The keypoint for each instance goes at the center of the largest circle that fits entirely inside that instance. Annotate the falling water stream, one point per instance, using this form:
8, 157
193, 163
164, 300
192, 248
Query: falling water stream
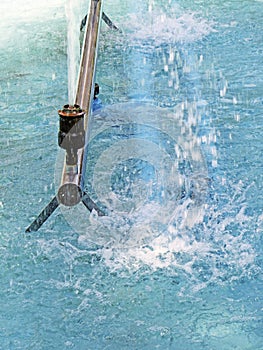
174, 156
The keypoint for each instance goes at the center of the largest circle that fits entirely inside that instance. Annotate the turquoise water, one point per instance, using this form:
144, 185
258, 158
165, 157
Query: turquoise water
175, 155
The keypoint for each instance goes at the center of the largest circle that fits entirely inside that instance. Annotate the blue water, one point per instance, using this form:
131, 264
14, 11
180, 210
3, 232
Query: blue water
175, 155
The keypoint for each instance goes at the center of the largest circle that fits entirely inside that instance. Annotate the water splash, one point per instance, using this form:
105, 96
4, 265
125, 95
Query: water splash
146, 167
216, 251
189, 239
158, 27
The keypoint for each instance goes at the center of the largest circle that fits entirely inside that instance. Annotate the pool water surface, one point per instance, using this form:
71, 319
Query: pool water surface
174, 157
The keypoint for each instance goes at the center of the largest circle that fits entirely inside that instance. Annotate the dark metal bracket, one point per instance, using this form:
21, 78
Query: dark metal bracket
54, 204
105, 18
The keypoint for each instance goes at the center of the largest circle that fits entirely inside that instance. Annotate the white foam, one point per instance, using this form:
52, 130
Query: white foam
160, 28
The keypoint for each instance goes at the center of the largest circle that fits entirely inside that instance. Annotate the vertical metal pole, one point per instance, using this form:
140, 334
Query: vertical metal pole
72, 181
71, 190
84, 93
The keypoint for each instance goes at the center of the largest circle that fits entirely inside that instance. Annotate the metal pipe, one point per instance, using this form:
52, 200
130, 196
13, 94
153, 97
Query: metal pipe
72, 181
73, 134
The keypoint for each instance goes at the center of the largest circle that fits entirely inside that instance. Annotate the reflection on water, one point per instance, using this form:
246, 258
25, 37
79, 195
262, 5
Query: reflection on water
175, 156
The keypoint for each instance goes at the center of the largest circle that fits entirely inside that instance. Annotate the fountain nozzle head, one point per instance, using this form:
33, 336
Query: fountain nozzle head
71, 135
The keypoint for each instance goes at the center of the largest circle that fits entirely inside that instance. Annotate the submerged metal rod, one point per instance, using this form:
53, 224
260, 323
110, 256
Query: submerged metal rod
44, 215
72, 182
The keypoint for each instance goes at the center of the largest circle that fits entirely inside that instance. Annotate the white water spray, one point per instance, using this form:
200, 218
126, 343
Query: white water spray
73, 46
